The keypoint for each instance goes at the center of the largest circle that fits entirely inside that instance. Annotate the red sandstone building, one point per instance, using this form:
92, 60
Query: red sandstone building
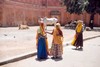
15, 12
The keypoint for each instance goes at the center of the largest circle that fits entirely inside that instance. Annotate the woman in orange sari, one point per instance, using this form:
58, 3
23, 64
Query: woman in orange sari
42, 43
78, 38
57, 47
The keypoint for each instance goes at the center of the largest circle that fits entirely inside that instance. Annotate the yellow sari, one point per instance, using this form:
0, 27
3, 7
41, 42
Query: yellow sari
57, 44
78, 30
57, 39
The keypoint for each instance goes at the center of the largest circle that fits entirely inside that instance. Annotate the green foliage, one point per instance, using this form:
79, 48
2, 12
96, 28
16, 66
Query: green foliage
93, 6
78, 6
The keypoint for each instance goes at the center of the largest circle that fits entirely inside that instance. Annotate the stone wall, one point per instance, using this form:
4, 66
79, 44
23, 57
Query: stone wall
15, 12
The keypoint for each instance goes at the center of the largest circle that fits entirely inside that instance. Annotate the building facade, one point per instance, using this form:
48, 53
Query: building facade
15, 12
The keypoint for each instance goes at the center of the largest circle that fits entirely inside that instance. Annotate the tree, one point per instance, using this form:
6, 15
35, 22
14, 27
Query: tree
78, 6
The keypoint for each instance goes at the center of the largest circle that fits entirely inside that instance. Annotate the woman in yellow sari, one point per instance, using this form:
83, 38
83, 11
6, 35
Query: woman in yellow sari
42, 43
57, 47
78, 38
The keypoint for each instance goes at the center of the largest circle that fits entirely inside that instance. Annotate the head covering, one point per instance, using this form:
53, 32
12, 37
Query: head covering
59, 29
80, 21
79, 26
41, 21
58, 25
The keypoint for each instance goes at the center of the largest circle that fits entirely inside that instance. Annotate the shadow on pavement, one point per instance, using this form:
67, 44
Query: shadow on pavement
17, 59
57, 59
77, 49
40, 60
91, 38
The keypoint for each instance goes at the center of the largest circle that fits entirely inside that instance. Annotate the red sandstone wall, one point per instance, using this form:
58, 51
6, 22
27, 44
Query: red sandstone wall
23, 12
41, 2
15, 13
1, 12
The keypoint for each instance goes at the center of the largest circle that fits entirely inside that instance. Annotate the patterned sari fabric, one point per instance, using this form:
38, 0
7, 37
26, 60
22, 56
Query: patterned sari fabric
42, 44
57, 47
56, 50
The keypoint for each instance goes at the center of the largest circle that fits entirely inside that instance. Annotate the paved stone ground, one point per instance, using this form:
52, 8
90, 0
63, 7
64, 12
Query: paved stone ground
15, 43
89, 57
